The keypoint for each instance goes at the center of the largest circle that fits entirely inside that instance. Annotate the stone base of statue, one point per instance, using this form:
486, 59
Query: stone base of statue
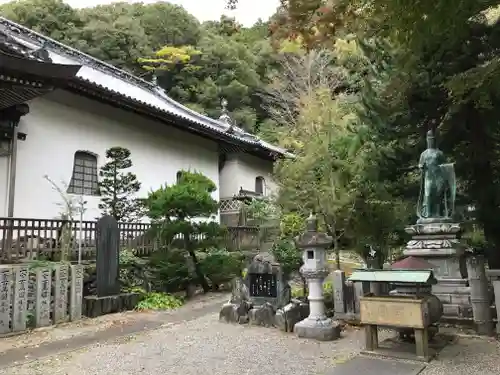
438, 242
322, 329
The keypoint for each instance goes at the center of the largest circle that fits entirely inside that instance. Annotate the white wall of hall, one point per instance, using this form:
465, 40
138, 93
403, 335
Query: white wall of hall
62, 123
241, 170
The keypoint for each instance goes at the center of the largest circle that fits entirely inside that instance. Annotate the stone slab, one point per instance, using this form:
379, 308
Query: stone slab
95, 306
376, 366
323, 330
396, 349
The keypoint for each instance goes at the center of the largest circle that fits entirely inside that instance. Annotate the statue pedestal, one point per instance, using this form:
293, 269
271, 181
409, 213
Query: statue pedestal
439, 244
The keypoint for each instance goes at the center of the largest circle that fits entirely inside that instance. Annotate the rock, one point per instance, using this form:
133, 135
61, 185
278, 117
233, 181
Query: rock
228, 313
239, 291
280, 320
321, 330
235, 313
243, 319
291, 314
263, 315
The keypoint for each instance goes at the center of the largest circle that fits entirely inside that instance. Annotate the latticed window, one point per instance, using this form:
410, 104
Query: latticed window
259, 185
84, 179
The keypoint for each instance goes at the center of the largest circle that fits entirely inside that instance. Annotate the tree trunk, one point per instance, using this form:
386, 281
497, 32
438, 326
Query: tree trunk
199, 273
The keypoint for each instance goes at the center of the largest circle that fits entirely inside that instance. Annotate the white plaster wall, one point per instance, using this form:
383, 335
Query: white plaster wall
241, 170
61, 123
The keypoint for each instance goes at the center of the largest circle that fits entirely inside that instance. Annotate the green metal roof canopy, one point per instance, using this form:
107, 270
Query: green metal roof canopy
394, 276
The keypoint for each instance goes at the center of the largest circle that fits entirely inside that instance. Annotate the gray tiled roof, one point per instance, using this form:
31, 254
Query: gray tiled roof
120, 82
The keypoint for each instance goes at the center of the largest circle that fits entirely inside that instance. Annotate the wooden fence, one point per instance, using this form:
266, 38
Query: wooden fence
31, 239
39, 296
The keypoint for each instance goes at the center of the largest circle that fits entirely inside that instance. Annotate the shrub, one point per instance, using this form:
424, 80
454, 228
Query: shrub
221, 266
287, 254
168, 271
159, 301
131, 270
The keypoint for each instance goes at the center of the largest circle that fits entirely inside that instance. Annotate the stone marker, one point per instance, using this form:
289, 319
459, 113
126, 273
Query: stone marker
5, 297
61, 294
494, 275
43, 294
76, 292
480, 295
20, 306
316, 325
339, 293
108, 255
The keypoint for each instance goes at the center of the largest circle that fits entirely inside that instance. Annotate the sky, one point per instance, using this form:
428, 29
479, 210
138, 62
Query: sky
247, 12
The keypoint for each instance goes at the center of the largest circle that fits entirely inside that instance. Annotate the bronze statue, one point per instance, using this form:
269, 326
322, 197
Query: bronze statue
436, 201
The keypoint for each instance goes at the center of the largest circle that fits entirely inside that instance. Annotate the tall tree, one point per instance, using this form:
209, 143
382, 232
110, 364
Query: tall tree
53, 18
118, 188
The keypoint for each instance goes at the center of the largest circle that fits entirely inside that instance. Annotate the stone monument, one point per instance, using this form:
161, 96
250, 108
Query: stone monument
108, 299
315, 270
263, 297
108, 256
436, 236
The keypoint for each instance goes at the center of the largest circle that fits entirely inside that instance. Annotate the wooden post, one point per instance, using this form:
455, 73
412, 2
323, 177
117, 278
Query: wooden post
5, 297
422, 343
42, 302
20, 305
371, 337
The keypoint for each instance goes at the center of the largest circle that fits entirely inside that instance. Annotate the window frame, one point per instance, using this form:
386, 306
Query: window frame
260, 181
85, 176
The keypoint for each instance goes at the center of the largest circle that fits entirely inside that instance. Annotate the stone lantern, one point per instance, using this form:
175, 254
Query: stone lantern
315, 270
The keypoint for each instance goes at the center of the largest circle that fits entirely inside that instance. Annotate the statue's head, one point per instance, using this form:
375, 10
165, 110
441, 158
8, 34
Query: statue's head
431, 139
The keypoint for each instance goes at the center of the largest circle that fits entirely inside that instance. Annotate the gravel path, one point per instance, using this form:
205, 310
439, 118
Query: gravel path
468, 356
204, 345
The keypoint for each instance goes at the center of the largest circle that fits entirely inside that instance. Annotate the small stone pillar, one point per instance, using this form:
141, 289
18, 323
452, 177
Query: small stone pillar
315, 270
480, 295
494, 276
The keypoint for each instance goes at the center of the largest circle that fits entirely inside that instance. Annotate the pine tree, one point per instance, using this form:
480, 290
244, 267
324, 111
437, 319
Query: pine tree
118, 188
174, 210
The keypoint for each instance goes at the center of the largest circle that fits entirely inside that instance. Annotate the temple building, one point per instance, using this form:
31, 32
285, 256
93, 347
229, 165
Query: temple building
61, 109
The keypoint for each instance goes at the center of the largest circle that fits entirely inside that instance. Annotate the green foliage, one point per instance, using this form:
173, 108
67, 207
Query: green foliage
168, 270
287, 254
327, 291
54, 18
183, 209
132, 270
221, 266
118, 188
159, 301
196, 64
169, 57
190, 197
292, 225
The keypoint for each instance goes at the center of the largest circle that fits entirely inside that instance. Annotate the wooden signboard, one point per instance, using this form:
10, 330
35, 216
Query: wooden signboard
395, 312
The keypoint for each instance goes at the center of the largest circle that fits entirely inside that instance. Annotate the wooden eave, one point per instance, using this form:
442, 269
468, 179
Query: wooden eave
22, 79
36, 70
